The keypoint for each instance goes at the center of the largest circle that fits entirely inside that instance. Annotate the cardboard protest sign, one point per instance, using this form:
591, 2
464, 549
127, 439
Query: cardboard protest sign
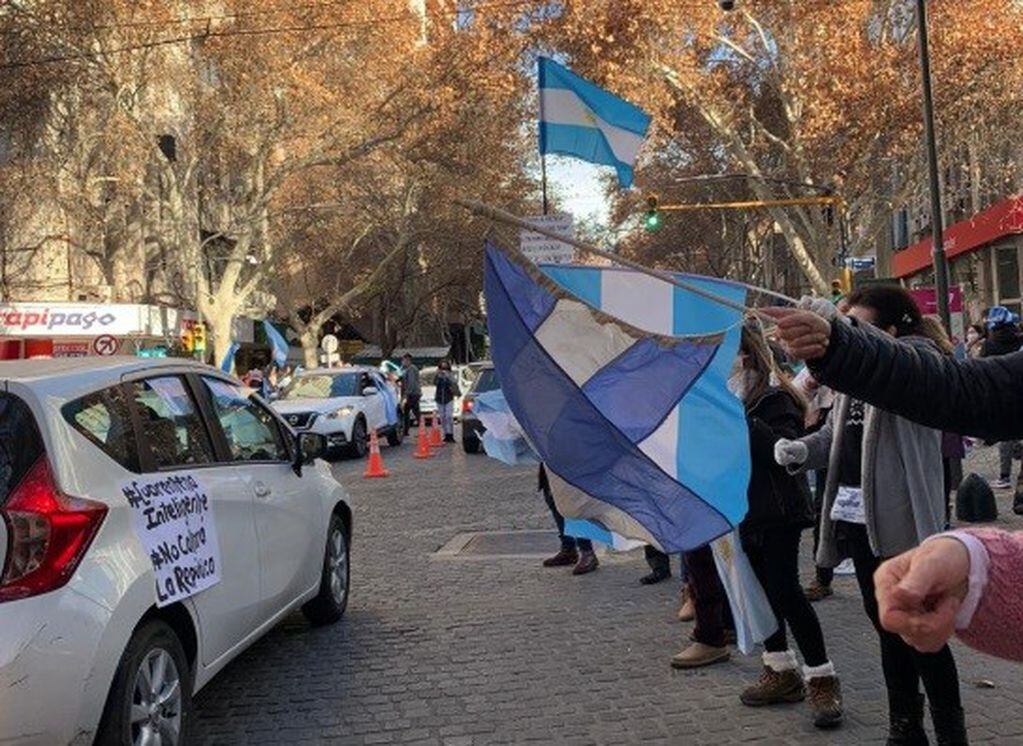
173, 518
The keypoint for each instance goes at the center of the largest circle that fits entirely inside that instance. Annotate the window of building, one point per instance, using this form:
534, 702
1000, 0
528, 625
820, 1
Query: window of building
1007, 282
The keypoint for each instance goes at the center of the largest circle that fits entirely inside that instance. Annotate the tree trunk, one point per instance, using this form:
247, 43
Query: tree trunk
219, 325
310, 339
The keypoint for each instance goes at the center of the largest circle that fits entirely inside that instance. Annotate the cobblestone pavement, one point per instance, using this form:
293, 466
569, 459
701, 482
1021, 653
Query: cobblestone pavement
471, 651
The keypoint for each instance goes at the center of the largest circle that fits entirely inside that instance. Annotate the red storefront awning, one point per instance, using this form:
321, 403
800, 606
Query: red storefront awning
1001, 219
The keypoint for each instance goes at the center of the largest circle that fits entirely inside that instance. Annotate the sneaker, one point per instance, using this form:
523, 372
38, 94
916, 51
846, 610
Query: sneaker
587, 563
774, 687
1002, 483
698, 655
825, 696
816, 591
564, 558
687, 612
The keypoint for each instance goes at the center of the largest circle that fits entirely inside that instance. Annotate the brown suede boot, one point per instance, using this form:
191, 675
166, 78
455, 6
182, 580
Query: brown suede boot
587, 563
564, 558
774, 687
825, 696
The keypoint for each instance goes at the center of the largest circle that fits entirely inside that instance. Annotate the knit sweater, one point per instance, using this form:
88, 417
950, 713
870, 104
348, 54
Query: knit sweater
996, 625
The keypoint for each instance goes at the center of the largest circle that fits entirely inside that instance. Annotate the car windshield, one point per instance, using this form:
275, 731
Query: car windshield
322, 386
487, 381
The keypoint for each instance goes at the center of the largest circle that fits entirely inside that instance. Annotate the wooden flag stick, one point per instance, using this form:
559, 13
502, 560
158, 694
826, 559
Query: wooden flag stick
501, 216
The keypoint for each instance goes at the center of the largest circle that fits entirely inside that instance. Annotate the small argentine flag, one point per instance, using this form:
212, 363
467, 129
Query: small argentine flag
578, 118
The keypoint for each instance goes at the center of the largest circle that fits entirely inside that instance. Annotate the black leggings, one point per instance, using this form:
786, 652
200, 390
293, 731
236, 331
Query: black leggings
904, 666
775, 560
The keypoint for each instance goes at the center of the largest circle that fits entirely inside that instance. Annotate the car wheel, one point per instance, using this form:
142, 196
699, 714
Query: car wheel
470, 443
329, 604
395, 436
360, 442
150, 700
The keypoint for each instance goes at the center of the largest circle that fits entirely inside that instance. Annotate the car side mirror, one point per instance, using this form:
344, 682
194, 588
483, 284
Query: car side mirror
308, 448
369, 391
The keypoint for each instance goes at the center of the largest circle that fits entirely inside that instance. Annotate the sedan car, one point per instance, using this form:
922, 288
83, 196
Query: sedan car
344, 405
472, 428
156, 519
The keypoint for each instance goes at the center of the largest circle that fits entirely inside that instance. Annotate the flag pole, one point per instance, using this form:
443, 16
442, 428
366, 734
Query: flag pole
501, 216
543, 170
540, 135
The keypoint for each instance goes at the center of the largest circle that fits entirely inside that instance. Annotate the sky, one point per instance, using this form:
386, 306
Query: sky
579, 187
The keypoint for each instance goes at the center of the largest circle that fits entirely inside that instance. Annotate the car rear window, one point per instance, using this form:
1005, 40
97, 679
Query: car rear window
486, 381
21, 445
104, 418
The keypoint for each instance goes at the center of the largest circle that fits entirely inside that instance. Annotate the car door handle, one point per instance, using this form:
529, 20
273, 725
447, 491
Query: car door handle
261, 489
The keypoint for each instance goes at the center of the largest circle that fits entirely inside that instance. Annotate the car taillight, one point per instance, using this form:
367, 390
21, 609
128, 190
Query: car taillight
47, 534
466, 405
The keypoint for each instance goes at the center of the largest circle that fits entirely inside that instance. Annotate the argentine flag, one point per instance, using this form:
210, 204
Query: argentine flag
580, 119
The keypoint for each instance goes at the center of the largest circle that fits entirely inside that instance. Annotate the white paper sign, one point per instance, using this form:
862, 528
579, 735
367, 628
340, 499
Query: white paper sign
173, 518
543, 249
848, 505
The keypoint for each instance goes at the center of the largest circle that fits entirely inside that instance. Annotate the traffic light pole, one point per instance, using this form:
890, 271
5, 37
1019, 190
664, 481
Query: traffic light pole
937, 240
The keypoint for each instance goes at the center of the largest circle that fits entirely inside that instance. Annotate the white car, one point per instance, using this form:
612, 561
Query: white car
344, 405
104, 636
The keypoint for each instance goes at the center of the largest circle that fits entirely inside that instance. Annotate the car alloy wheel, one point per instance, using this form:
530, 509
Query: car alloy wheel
337, 561
156, 701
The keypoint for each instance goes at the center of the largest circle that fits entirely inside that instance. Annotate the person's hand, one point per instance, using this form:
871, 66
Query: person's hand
919, 592
804, 334
788, 452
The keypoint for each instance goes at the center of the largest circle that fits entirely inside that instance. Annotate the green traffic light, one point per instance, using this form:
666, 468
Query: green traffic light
653, 221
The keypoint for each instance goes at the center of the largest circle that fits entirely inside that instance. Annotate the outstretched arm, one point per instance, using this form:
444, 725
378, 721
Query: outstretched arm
982, 398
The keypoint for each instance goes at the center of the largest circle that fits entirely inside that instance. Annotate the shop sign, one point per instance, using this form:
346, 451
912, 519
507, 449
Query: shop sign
69, 319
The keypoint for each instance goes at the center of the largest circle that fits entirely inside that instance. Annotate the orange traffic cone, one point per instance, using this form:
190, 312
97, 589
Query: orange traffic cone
423, 444
436, 439
375, 467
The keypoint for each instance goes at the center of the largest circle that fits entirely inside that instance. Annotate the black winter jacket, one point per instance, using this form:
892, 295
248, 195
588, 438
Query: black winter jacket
776, 498
982, 398
1002, 340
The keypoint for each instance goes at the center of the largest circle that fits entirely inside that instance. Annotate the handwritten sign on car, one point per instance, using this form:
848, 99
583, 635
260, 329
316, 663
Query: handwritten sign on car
173, 517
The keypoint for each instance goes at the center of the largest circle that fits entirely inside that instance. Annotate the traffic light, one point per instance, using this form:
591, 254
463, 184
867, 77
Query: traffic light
199, 338
187, 340
652, 220
841, 285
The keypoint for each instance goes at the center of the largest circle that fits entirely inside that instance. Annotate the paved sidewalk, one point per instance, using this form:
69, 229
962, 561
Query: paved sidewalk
469, 651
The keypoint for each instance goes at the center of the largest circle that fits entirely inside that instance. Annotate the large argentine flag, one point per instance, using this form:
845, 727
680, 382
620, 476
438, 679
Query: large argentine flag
636, 426
580, 119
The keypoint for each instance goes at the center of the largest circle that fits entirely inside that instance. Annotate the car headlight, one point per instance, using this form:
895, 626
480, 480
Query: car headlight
343, 412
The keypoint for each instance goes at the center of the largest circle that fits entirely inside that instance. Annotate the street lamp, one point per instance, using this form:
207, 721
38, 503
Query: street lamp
937, 242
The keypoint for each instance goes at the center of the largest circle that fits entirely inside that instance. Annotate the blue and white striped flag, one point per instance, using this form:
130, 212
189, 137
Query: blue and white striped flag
635, 424
581, 119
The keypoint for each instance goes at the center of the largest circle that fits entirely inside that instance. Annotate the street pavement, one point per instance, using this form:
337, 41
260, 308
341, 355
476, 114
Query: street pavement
448, 650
